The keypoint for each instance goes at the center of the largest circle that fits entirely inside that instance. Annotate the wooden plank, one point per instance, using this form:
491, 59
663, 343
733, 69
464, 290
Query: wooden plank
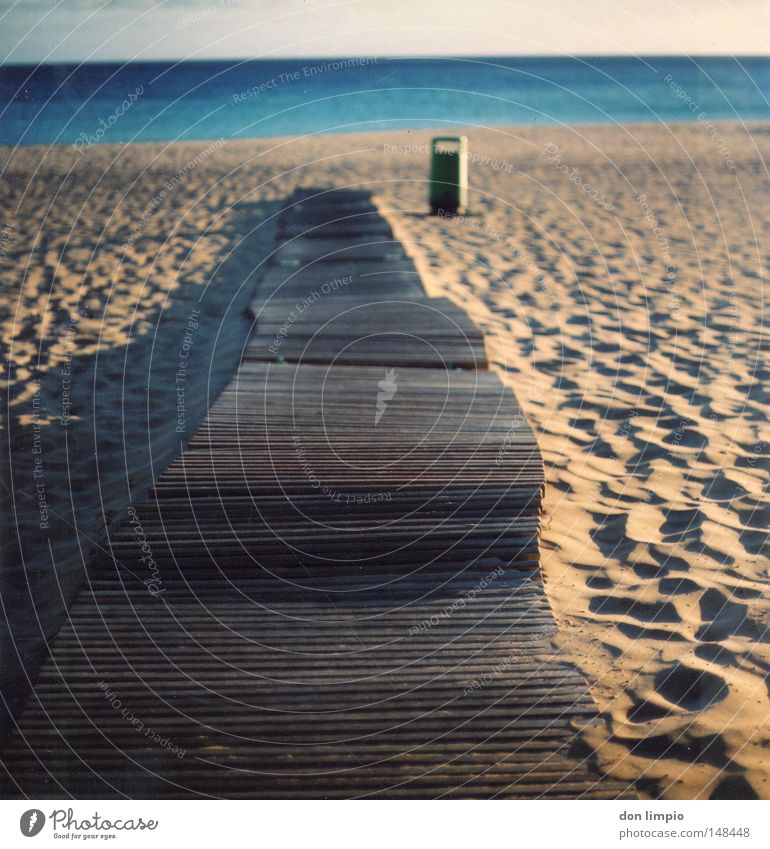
334, 591
356, 228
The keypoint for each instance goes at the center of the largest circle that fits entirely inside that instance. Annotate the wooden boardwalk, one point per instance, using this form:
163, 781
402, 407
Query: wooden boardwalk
334, 591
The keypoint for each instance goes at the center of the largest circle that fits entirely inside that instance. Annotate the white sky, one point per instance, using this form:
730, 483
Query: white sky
79, 30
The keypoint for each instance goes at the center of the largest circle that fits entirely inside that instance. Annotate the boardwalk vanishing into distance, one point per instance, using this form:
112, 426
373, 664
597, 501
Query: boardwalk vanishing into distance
342, 597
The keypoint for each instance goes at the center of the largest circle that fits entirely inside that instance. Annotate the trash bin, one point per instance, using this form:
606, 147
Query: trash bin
449, 175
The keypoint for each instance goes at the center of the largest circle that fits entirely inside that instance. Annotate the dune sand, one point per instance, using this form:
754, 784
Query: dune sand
618, 273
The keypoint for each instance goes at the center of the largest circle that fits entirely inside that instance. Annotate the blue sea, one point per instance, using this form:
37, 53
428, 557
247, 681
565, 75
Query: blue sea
164, 101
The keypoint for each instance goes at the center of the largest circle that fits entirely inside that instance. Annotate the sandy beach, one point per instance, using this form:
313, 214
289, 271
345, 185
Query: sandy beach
617, 272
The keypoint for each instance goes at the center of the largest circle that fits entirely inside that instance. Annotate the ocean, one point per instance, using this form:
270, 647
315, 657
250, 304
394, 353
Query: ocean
167, 101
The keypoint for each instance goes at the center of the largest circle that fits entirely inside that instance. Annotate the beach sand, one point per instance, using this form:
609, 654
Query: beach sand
618, 274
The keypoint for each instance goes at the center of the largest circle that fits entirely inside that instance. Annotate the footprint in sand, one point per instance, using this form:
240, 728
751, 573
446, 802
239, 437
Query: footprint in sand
679, 523
678, 586
685, 437
644, 611
599, 448
721, 488
646, 712
723, 619
667, 561
563, 383
610, 534
634, 632
733, 787
755, 542
648, 571
755, 515
709, 749
756, 391
714, 653
648, 452
599, 582
690, 689
611, 370
746, 593
672, 387
588, 425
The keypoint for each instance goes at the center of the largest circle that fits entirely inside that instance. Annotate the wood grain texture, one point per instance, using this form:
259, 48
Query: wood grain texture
334, 590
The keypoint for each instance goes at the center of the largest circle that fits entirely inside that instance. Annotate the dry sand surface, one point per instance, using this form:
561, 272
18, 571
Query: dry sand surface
618, 273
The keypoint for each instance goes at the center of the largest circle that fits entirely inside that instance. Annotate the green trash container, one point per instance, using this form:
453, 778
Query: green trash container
449, 175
